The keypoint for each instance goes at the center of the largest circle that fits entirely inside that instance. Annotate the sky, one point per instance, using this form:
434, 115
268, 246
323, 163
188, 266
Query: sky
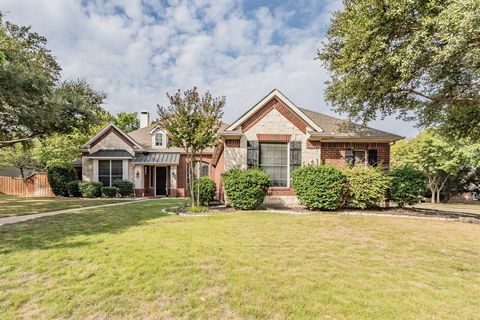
138, 50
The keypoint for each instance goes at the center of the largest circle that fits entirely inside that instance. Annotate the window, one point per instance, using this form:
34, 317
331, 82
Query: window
355, 158
274, 160
109, 171
159, 139
372, 158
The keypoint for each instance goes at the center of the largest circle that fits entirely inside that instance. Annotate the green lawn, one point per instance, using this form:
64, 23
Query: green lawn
16, 206
455, 207
133, 261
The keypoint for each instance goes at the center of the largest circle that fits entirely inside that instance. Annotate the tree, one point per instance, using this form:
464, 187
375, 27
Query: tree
439, 158
192, 122
34, 102
416, 59
127, 121
20, 158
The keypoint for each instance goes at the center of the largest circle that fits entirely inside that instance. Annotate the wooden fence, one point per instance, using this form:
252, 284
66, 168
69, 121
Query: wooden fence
34, 186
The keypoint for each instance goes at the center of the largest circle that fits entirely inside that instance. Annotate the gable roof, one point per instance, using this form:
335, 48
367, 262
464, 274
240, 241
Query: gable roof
339, 128
275, 93
104, 131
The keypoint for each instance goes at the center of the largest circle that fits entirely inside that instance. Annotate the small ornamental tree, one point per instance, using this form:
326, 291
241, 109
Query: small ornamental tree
319, 187
408, 185
192, 122
206, 190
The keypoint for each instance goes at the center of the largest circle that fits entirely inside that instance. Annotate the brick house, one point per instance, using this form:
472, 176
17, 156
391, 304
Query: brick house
274, 135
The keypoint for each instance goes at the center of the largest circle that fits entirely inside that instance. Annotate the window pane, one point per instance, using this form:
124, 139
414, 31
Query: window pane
204, 169
274, 160
158, 139
359, 158
117, 170
104, 172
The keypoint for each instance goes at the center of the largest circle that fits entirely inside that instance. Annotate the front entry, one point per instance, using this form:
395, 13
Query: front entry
161, 181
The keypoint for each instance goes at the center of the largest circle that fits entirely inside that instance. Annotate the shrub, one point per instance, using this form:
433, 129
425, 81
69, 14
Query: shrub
319, 187
58, 177
196, 209
207, 190
246, 189
125, 187
408, 185
109, 192
366, 187
91, 189
74, 188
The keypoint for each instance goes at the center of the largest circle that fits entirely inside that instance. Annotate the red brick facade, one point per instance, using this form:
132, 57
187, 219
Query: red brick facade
274, 137
232, 143
334, 152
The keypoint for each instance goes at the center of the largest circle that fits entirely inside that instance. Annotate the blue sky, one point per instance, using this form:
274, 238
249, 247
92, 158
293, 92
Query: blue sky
137, 50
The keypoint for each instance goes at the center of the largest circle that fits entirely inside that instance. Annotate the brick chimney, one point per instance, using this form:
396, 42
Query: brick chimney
144, 119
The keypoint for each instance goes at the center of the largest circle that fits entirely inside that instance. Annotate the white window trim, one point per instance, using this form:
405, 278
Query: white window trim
164, 139
288, 167
110, 170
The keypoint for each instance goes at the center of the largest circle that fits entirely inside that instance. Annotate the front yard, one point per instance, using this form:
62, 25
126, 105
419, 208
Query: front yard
16, 206
134, 261
453, 207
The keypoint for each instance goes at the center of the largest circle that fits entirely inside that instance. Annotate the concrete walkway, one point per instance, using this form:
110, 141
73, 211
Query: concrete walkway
15, 219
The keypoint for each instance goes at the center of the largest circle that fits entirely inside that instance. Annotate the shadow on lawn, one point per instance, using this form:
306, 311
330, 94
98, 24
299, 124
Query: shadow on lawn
53, 231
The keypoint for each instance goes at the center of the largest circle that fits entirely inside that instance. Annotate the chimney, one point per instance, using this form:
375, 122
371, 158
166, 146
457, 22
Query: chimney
144, 119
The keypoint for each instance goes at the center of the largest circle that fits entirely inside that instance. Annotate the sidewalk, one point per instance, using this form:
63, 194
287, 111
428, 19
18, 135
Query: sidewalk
15, 219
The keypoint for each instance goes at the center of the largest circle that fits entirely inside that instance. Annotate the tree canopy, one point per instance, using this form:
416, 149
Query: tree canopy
439, 158
34, 101
127, 121
192, 122
419, 60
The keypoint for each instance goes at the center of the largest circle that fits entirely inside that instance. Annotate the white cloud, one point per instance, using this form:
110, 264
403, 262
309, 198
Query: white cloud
137, 51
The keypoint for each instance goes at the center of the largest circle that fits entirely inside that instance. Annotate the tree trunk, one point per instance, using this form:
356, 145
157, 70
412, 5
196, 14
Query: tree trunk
438, 196
21, 172
433, 195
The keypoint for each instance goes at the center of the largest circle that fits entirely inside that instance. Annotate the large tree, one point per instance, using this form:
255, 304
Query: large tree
192, 122
439, 158
18, 157
418, 59
34, 101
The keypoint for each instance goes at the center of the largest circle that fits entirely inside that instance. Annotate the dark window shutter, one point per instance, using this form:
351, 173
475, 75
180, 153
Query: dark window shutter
252, 153
349, 157
295, 153
372, 158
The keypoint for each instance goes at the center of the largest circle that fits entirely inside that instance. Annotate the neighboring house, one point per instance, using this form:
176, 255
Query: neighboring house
274, 135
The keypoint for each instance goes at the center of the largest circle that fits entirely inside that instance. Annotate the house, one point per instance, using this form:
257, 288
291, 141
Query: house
275, 135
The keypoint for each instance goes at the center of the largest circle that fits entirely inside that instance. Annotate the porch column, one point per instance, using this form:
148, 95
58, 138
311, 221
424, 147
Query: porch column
95, 170
138, 176
173, 181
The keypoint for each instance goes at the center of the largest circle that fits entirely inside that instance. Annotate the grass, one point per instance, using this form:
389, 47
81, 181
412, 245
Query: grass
457, 207
136, 262
17, 206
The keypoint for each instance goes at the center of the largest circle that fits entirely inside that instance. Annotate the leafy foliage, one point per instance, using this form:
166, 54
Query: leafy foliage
192, 122
34, 102
91, 189
125, 187
109, 192
366, 187
127, 121
206, 189
408, 185
59, 177
73, 188
418, 59
438, 157
319, 187
246, 188
19, 157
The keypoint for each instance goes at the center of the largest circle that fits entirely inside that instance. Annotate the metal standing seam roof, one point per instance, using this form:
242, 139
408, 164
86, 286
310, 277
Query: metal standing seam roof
111, 154
159, 158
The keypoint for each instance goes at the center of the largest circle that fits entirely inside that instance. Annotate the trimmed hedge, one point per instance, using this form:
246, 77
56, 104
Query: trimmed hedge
125, 187
246, 188
319, 187
408, 187
207, 190
366, 187
91, 189
109, 192
74, 188
58, 178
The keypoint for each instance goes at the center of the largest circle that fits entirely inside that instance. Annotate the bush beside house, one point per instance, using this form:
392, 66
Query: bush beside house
246, 188
59, 177
366, 188
408, 186
109, 192
73, 188
319, 187
91, 189
125, 187
206, 188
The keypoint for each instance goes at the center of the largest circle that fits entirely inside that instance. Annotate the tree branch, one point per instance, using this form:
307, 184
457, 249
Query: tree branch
12, 142
438, 99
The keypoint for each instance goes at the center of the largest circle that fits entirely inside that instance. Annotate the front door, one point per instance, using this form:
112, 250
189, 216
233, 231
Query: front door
161, 181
